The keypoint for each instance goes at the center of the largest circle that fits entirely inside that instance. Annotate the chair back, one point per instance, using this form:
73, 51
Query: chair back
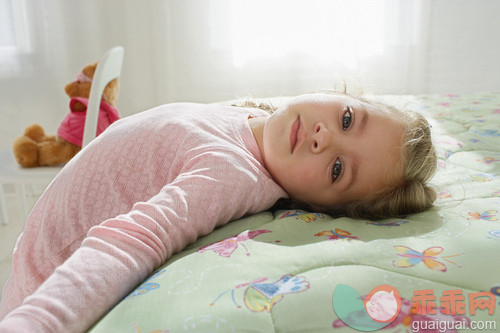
108, 69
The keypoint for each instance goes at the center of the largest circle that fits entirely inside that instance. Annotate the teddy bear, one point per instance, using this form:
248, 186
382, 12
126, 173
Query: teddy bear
35, 148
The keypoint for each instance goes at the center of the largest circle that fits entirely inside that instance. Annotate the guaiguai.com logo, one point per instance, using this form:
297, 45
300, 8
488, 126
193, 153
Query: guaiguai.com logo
375, 311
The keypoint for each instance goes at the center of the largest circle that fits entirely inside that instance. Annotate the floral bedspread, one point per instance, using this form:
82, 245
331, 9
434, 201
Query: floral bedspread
298, 271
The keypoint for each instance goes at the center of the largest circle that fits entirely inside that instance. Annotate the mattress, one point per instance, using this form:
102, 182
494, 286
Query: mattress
302, 271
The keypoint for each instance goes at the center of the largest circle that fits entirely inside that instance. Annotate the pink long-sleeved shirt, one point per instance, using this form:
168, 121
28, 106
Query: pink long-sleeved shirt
144, 189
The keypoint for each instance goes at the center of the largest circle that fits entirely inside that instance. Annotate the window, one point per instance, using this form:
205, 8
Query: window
329, 31
14, 38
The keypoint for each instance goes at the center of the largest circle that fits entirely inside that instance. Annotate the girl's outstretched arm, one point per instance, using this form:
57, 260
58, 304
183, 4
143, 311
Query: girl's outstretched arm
121, 252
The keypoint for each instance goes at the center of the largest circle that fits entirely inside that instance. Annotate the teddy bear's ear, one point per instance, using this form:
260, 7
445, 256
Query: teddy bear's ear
111, 92
89, 70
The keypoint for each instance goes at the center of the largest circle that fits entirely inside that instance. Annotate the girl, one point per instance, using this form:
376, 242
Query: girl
156, 181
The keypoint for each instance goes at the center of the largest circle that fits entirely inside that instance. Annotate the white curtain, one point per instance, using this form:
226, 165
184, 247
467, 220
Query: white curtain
224, 49
206, 50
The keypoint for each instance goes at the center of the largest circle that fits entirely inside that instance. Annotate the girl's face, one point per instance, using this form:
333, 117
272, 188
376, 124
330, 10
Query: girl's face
331, 149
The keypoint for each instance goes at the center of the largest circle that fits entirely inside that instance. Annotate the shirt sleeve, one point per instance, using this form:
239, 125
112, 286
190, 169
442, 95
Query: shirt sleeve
121, 252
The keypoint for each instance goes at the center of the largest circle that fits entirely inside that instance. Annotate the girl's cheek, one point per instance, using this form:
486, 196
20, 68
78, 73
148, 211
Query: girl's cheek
309, 172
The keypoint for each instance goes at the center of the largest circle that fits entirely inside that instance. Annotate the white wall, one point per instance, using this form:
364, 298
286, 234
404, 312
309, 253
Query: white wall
464, 46
461, 53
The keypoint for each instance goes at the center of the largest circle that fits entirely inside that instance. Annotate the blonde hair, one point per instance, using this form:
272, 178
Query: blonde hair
418, 164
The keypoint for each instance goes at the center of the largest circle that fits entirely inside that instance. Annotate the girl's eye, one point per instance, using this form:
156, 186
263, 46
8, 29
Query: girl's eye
337, 169
346, 119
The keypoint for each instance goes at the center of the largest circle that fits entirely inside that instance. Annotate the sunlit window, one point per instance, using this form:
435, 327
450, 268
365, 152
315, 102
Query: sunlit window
14, 37
7, 35
330, 31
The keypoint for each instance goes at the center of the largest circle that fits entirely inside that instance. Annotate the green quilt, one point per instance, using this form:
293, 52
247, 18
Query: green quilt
298, 271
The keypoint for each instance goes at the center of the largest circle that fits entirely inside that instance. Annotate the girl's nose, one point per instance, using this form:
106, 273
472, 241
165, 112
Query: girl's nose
322, 138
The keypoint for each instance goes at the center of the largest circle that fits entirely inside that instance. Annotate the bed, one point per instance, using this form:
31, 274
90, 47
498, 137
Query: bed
283, 271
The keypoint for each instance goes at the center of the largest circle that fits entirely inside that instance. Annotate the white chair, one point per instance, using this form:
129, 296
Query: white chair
109, 68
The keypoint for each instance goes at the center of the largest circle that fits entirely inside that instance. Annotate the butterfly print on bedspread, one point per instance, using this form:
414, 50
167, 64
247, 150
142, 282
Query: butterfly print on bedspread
226, 247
